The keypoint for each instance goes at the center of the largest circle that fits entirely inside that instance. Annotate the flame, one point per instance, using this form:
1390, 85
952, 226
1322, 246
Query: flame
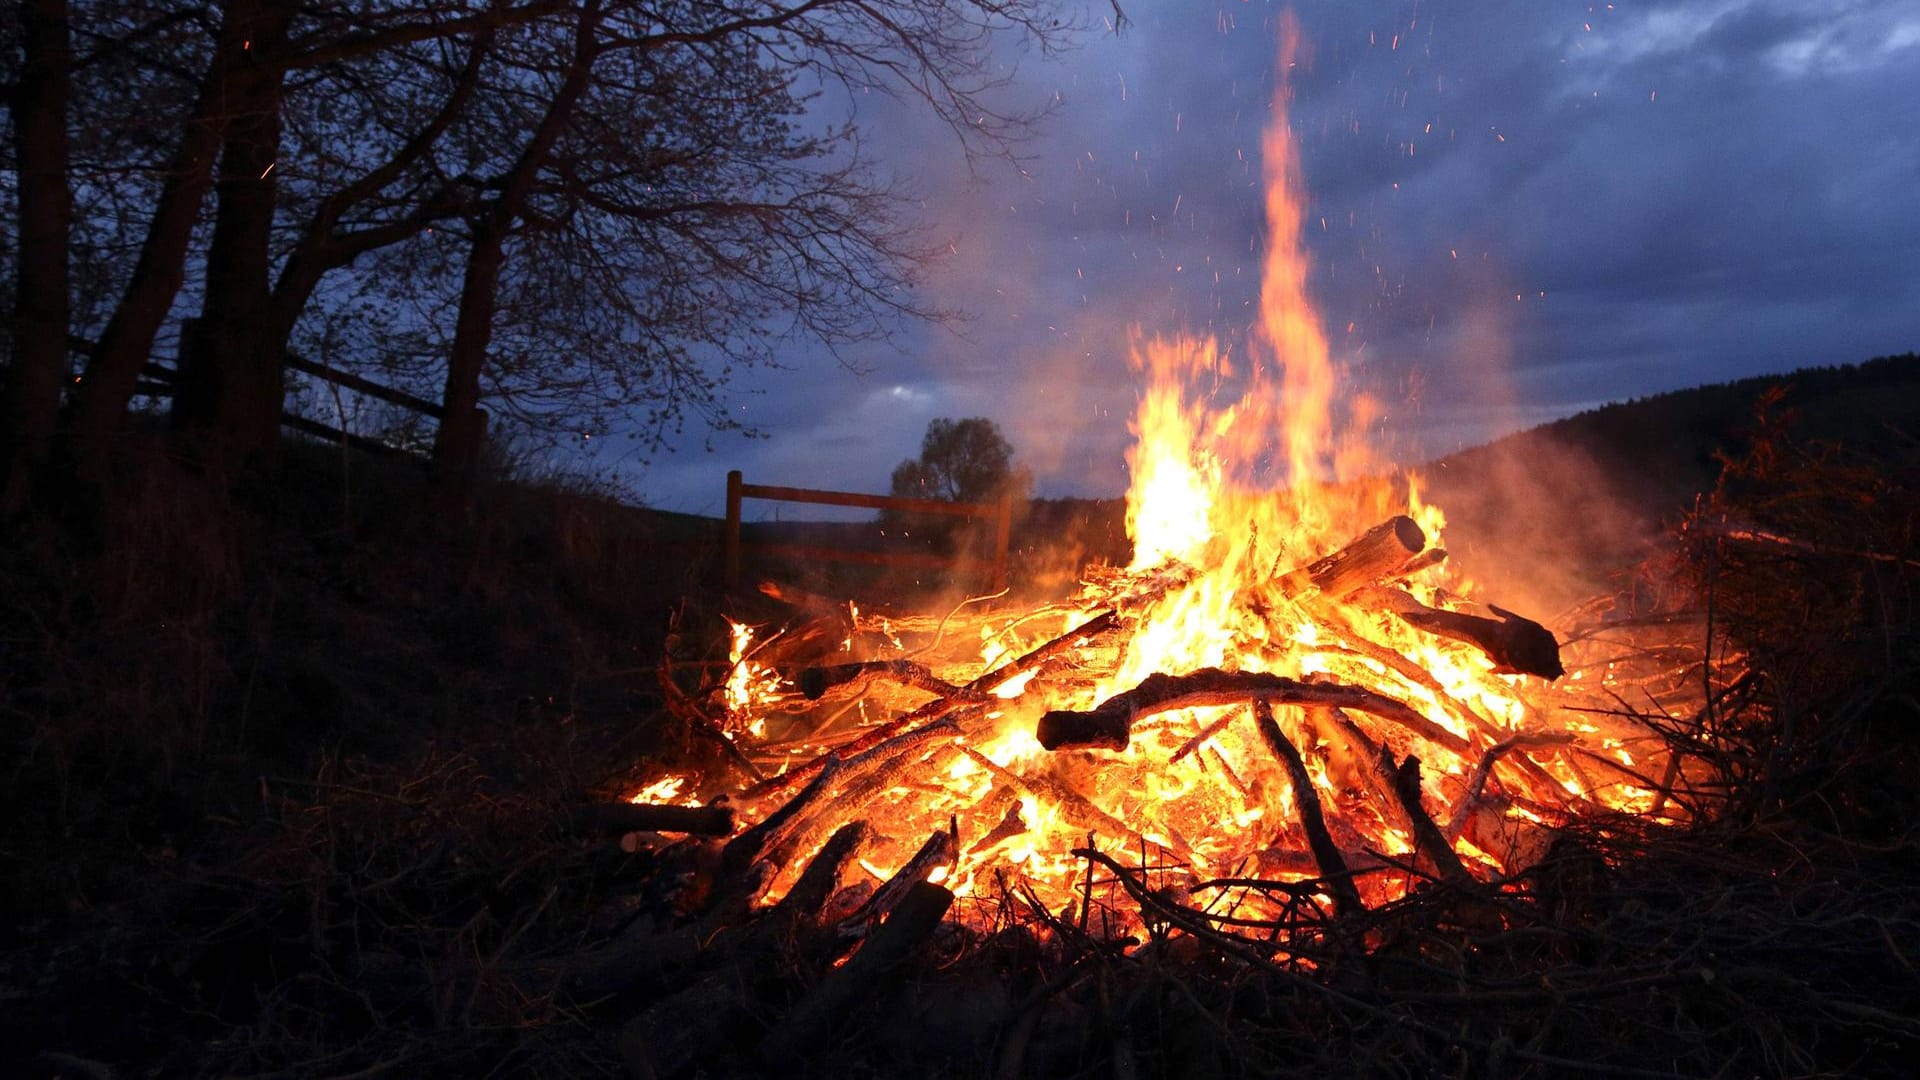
1242, 473
750, 685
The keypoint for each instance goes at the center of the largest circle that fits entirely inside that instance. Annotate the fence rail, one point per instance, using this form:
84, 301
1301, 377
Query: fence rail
738, 490
158, 380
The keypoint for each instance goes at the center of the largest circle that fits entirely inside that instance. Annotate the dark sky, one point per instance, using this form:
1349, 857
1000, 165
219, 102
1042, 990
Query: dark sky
1517, 210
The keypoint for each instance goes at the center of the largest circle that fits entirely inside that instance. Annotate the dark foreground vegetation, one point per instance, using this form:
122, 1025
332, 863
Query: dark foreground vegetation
290, 775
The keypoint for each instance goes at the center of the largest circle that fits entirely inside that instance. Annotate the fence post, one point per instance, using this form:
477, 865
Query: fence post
1004, 533
730, 540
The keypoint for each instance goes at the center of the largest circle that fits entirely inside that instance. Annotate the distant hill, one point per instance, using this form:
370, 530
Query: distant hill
1661, 449
1591, 491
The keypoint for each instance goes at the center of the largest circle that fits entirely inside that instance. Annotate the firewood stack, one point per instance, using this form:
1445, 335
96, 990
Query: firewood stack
1281, 800
1344, 761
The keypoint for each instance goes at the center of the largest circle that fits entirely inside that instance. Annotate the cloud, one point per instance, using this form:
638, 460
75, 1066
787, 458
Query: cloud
1675, 192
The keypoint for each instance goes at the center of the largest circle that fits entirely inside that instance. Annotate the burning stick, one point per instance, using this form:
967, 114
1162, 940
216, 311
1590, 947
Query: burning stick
1099, 624
1110, 724
816, 681
1374, 555
1012, 823
1427, 836
1470, 801
1204, 734
1333, 868
853, 785
940, 850
1074, 806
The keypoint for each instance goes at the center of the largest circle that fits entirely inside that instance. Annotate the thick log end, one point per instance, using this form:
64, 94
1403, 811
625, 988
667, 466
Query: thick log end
1065, 729
1408, 531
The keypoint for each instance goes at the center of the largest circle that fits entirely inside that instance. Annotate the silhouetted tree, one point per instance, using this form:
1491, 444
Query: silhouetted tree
569, 204
961, 461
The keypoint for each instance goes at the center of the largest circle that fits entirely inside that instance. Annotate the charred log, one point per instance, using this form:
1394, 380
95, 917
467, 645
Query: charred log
1516, 644
1372, 557
1428, 840
1110, 725
814, 1019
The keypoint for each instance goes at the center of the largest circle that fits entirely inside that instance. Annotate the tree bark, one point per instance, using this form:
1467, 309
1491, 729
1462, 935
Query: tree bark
99, 404
39, 369
456, 448
232, 384
1371, 556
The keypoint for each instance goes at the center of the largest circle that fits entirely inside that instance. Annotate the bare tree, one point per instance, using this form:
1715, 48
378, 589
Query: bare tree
676, 177
642, 195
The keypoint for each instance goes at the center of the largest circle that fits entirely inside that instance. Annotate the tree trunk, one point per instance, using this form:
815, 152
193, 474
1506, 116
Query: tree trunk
231, 388
39, 369
99, 404
456, 449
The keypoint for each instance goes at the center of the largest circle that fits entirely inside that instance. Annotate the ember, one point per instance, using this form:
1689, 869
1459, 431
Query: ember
1290, 688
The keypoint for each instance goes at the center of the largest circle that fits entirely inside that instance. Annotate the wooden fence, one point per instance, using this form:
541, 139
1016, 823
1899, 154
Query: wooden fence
738, 490
157, 380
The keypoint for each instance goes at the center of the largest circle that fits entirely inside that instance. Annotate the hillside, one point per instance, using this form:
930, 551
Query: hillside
1567, 503
1590, 493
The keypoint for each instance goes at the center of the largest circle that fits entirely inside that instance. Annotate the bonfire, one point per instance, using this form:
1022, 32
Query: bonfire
1289, 707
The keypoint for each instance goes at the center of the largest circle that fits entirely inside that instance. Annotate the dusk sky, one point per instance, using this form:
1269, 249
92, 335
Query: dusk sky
1517, 210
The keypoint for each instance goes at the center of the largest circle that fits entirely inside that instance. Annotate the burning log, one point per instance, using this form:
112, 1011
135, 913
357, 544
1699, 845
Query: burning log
1429, 558
1110, 724
1515, 643
653, 817
814, 1019
814, 682
1427, 838
1333, 868
1370, 558
822, 875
